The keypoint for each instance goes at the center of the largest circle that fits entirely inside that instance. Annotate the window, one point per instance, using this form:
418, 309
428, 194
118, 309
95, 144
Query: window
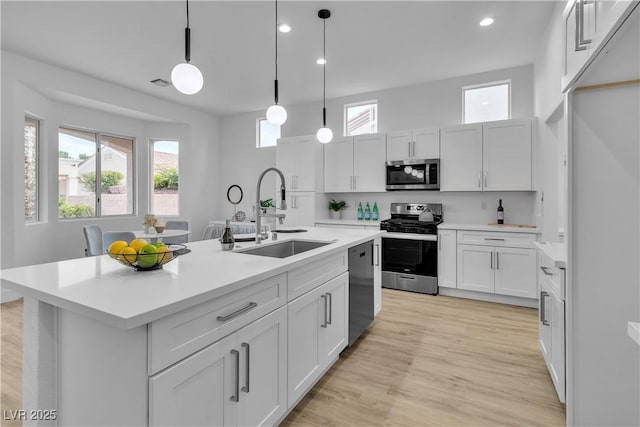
485, 103
95, 174
268, 134
165, 198
361, 118
31, 176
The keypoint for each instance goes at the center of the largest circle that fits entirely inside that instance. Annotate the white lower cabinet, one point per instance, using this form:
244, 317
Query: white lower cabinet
377, 275
475, 268
515, 272
318, 332
447, 258
239, 380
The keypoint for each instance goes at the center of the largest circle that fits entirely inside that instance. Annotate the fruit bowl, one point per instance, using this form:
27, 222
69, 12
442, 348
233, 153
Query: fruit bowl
148, 261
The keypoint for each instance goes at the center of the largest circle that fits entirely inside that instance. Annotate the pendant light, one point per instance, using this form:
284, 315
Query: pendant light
276, 114
324, 134
186, 77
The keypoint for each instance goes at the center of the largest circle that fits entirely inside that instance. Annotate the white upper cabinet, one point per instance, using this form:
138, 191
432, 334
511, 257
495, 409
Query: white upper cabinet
414, 144
461, 158
506, 157
300, 160
492, 156
355, 164
301, 209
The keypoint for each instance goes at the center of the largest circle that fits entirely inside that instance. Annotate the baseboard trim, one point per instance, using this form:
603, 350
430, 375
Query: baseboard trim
481, 296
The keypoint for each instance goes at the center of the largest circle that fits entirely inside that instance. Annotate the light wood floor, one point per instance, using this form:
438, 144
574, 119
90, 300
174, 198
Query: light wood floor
425, 361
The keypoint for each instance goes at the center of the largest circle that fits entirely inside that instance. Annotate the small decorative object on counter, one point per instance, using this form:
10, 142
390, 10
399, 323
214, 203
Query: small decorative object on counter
227, 239
500, 212
148, 226
335, 208
360, 212
159, 226
367, 212
375, 214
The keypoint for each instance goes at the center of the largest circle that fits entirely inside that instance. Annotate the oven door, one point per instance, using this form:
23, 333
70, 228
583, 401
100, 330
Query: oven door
413, 175
410, 254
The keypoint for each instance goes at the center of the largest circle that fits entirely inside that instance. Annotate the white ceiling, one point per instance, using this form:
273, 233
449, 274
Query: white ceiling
371, 45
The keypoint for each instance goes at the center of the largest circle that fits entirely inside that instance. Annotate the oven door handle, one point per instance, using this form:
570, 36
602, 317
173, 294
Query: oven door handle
407, 278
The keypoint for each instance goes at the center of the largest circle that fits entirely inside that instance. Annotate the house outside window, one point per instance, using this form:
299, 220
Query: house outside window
31, 169
165, 193
361, 118
267, 134
95, 174
486, 102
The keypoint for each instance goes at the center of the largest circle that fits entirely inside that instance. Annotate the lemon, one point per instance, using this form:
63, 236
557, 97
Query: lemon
137, 244
116, 247
164, 256
128, 255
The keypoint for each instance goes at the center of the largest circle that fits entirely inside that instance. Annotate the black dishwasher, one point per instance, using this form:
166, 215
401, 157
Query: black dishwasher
360, 289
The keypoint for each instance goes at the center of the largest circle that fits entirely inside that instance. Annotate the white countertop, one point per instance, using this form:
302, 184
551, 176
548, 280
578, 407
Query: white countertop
348, 222
103, 289
633, 329
556, 251
486, 227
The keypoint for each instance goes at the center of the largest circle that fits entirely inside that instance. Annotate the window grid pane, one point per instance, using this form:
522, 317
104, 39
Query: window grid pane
31, 144
116, 176
268, 134
485, 104
361, 119
76, 173
165, 198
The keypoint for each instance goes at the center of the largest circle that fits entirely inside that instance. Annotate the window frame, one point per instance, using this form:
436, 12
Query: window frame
98, 204
152, 142
259, 134
358, 104
38, 148
484, 85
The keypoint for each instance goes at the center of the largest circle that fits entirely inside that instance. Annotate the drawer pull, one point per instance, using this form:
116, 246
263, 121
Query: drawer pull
237, 313
545, 270
246, 386
236, 397
330, 307
324, 299
493, 238
543, 316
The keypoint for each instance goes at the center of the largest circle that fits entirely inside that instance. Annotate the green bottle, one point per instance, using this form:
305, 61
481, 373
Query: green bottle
367, 212
375, 211
360, 214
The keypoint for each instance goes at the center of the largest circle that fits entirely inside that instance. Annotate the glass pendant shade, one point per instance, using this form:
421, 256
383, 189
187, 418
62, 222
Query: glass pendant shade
187, 78
276, 114
324, 135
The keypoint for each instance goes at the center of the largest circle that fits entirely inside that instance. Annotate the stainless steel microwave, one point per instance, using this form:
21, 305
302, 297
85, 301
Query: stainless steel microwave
415, 174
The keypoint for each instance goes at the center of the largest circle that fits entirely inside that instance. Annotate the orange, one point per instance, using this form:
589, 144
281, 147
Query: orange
128, 255
137, 244
116, 247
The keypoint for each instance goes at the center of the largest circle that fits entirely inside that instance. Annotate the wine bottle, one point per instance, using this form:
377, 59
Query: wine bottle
227, 240
360, 212
500, 212
367, 212
375, 211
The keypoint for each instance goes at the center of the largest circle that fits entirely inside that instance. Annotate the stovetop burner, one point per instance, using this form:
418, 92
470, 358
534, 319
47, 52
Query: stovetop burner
405, 218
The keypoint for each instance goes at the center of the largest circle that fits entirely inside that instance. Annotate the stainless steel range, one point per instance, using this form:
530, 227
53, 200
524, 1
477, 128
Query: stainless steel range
410, 247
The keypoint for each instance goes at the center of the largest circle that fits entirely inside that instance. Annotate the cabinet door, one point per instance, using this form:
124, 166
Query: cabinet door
305, 315
369, 167
475, 268
399, 145
287, 160
308, 153
301, 209
447, 252
263, 366
196, 391
338, 166
461, 158
515, 272
557, 365
507, 155
335, 314
544, 320
377, 275
426, 143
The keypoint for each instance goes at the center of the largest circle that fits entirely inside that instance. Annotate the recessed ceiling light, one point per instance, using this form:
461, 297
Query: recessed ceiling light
284, 28
486, 22
321, 61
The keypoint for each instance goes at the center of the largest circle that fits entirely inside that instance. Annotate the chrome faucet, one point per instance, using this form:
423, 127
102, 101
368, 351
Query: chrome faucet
283, 204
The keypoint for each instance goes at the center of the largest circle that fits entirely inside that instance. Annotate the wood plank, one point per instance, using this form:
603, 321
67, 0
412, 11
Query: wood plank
11, 359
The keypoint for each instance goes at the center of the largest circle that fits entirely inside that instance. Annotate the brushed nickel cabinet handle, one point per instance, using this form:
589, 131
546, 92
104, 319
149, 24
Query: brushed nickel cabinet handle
493, 238
497, 260
324, 298
543, 316
330, 297
236, 397
485, 179
237, 312
491, 259
245, 388
545, 270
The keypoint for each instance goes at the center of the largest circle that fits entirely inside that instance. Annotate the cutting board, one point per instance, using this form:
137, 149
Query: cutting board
513, 225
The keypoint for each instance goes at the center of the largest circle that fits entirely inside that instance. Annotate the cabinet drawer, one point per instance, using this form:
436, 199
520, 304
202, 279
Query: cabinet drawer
492, 238
303, 279
177, 336
554, 276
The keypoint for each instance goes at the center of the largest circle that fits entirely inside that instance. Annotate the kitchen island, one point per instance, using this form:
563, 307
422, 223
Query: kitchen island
212, 338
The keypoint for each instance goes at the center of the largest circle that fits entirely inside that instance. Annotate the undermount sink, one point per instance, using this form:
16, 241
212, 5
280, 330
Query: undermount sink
284, 249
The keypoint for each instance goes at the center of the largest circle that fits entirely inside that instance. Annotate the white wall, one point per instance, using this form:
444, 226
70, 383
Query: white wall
429, 104
60, 96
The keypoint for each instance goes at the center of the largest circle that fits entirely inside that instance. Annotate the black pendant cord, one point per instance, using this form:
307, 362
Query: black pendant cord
276, 81
187, 39
324, 72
